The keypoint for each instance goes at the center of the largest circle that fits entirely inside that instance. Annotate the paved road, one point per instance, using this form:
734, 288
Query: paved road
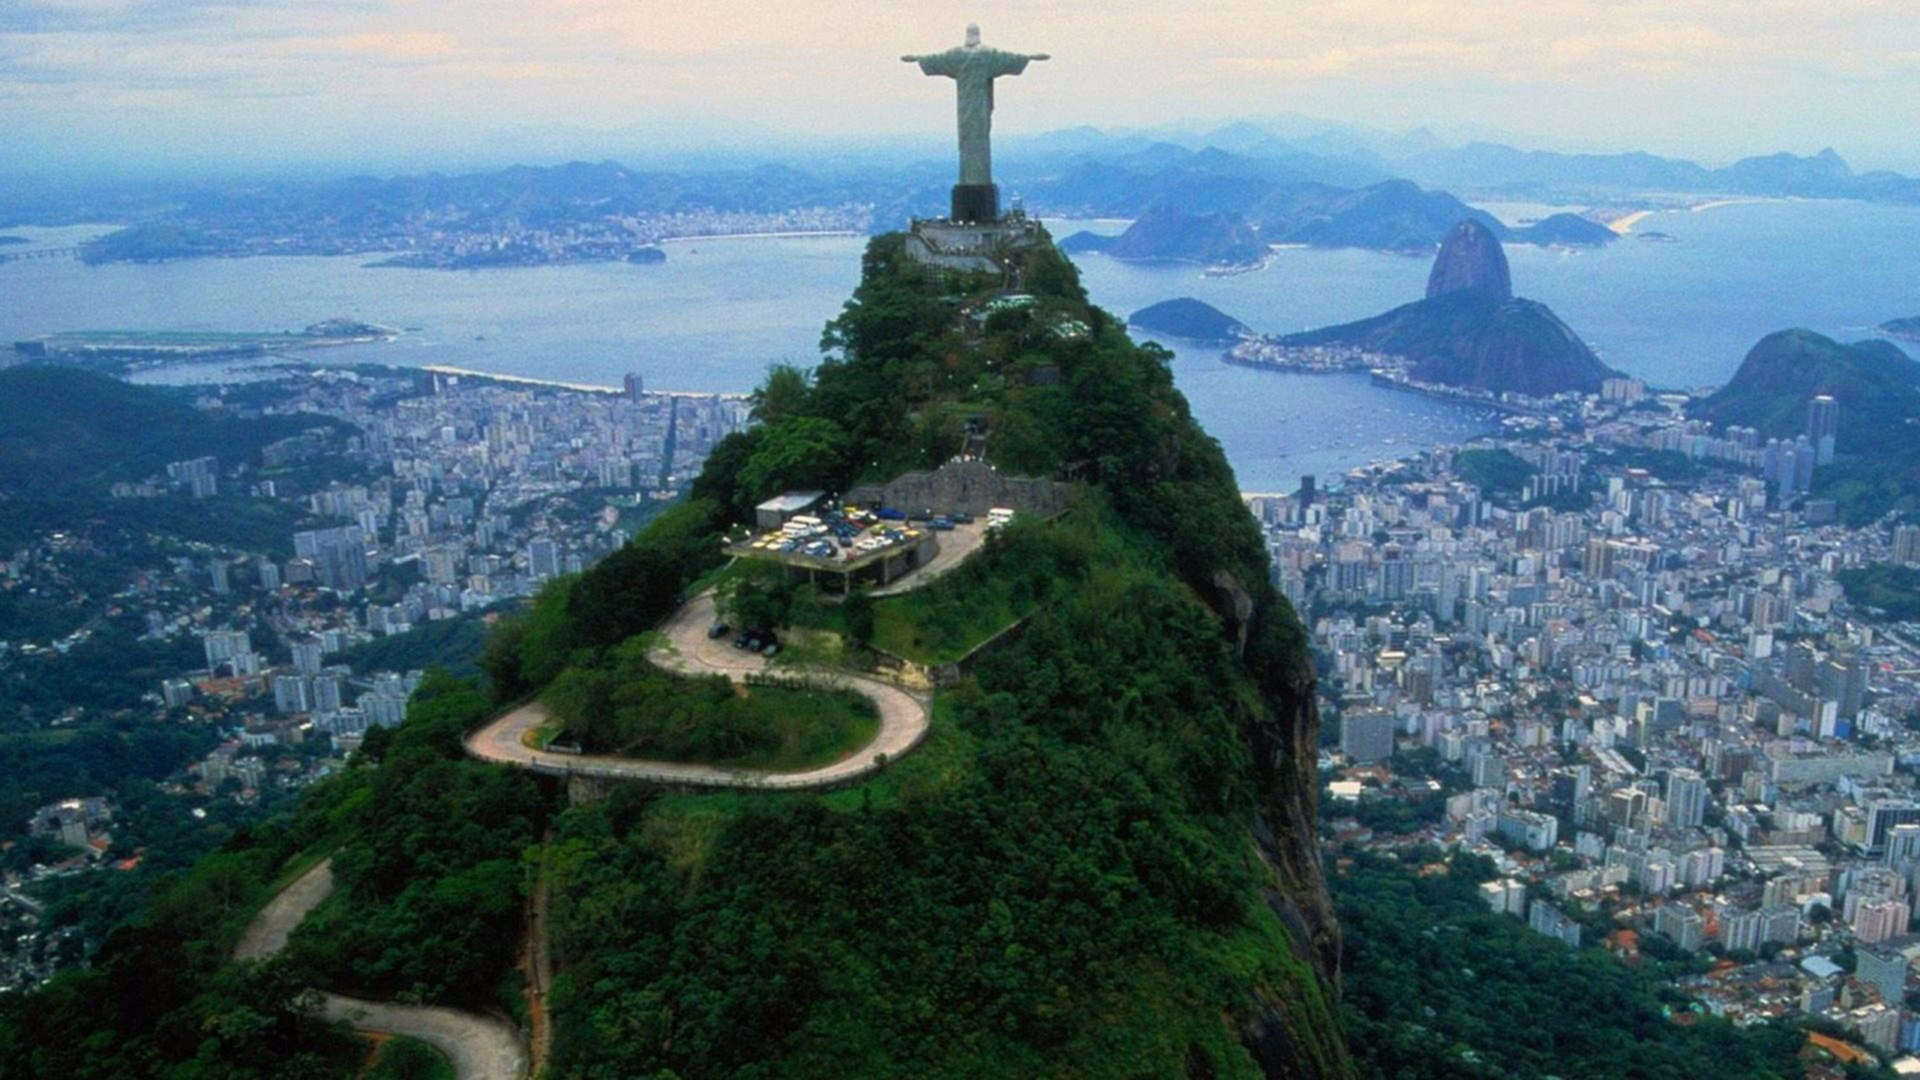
955, 547
480, 1047
903, 722
536, 960
267, 933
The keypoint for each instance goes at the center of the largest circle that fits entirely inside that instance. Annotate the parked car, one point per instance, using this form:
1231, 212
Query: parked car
962, 519
890, 514
718, 630
941, 524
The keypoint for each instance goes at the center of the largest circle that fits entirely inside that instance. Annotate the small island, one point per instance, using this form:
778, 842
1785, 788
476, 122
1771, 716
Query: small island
1190, 320
119, 350
1564, 230
1907, 329
1165, 234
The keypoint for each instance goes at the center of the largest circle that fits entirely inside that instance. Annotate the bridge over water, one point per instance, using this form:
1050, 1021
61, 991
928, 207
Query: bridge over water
39, 253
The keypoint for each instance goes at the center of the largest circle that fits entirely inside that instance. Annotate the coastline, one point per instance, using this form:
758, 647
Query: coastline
560, 384
794, 234
1623, 226
1755, 200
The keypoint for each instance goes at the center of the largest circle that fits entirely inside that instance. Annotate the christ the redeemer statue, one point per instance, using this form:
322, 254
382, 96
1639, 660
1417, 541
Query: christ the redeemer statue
973, 67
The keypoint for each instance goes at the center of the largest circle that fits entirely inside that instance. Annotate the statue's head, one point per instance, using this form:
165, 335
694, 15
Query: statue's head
973, 35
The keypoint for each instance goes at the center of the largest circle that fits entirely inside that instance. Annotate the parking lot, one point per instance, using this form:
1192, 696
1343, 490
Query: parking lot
839, 536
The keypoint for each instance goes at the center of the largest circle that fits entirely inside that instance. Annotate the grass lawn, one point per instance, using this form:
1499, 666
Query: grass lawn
766, 728
939, 625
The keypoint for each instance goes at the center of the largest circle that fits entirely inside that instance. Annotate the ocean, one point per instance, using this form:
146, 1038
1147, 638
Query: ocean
718, 312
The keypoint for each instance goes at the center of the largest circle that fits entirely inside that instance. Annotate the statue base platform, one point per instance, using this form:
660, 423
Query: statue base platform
975, 204
966, 245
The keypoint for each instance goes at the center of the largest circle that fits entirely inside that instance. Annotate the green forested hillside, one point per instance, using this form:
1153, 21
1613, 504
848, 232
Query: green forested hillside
62, 429
1100, 862
1876, 385
1063, 879
427, 846
1436, 986
1877, 388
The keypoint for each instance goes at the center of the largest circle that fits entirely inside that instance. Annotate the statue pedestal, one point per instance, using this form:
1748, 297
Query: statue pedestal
975, 204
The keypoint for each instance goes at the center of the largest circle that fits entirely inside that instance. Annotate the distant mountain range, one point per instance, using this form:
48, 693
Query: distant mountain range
1395, 215
1165, 234
1490, 168
1471, 331
1344, 156
1288, 183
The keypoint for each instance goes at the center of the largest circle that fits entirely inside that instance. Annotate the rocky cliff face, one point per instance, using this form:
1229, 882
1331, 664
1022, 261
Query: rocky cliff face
1286, 749
1285, 752
1471, 260
1471, 331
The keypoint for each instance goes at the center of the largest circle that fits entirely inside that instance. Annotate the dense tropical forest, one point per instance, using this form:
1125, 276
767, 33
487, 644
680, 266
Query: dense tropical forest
1438, 986
428, 848
1061, 878
1082, 871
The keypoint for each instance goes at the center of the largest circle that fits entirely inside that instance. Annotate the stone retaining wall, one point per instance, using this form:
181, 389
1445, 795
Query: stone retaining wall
965, 487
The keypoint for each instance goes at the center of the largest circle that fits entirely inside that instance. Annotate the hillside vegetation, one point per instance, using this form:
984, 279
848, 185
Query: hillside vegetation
1876, 385
64, 430
1100, 862
1062, 879
1877, 389
427, 847
1437, 980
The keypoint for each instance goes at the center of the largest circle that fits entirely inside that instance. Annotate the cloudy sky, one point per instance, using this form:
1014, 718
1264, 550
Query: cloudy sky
263, 83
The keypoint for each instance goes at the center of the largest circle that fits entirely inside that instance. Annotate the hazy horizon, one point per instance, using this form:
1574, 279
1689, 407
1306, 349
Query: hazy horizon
189, 87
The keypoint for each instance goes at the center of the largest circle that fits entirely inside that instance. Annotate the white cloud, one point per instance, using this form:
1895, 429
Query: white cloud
1607, 71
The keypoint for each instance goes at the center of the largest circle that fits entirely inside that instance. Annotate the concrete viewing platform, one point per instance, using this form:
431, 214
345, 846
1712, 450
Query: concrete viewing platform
972, 246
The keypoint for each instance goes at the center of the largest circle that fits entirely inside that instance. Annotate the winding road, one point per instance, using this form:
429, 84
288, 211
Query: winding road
488, 1048
903, 722
480, 1047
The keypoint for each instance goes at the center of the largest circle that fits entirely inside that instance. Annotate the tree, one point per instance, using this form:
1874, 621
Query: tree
758, 597
803, 452
782, 396
858, 611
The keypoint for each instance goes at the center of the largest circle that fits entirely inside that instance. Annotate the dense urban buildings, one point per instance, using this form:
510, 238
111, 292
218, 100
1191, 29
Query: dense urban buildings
455, 499
1623, 664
